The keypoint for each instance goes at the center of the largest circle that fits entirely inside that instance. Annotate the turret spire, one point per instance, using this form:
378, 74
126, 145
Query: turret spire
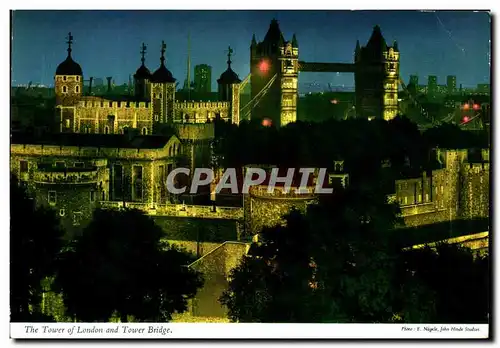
143, 53
163, 49
69, 42
229, 53
254, 42
295, 43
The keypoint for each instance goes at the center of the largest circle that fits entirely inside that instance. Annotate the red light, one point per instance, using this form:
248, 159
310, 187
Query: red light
466, 119
264, 66
475, 106
334, 101
466, 106
267, 122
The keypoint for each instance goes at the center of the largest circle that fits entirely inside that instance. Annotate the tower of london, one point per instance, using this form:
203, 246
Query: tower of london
152, 105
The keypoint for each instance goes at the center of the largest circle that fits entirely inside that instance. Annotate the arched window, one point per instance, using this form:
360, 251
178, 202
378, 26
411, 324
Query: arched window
77, 89
87, 129
65, 78
144, 131
161, 96
78, 78
125, 130
106, 130
65, 89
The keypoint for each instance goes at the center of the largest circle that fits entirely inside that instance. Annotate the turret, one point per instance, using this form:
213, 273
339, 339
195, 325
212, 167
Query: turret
229, 88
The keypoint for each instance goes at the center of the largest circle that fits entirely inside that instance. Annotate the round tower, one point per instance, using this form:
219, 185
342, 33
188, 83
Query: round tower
142, 77
68, 85
162, 92
229, 89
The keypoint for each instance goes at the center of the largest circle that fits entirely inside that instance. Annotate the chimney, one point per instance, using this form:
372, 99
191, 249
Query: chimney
109, 83
90, 85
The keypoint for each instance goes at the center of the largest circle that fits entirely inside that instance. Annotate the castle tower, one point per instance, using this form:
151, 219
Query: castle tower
162, 92
376, 78
68, 85
142, 77
229, 89
289, 64
264, 65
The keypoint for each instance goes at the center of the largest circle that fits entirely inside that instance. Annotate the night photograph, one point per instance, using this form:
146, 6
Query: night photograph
173, 167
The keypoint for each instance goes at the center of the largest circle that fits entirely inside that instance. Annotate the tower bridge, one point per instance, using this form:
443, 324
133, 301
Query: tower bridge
375, 68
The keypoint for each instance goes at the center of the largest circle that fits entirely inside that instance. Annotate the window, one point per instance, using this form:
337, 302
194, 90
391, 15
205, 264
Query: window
156, 117
65, 89
144, 131
442, 189
92, 196
154, 95
406, 200
78, 78
60, 164
118, 182
79, 164
427, 197
65, 78
87, 129
62, 212
77, 218
106, 130
137, 177
23, 166
160, 96
52, 197
77, 89
68, 123
419, 199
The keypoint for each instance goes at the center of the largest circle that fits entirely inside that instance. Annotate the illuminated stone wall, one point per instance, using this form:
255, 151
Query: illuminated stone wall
215, 267
98, 115
460, 190
201, 112
267, 209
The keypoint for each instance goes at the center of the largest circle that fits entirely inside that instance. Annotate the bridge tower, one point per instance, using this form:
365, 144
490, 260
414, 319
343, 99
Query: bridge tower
376, 78
289, 59
274, 61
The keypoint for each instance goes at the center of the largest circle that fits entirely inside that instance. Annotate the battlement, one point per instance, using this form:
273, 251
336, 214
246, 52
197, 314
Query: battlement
107, 104
279, 192
92, 152
195, 131
181, 210
61, 176
476, 167
182, 105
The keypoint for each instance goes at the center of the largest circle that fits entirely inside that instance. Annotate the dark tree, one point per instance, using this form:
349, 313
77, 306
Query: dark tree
120, 266
458, 278
36, 239
334, 264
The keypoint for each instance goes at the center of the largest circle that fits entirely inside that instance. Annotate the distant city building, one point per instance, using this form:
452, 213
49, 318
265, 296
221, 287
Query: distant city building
203, 78
483, 88
451, 83
432, 84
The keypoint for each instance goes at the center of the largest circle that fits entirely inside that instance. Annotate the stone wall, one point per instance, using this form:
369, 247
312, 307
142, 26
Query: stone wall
200, 112
98, 115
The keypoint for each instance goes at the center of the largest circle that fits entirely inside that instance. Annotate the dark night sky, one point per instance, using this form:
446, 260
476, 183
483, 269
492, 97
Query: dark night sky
107, 43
